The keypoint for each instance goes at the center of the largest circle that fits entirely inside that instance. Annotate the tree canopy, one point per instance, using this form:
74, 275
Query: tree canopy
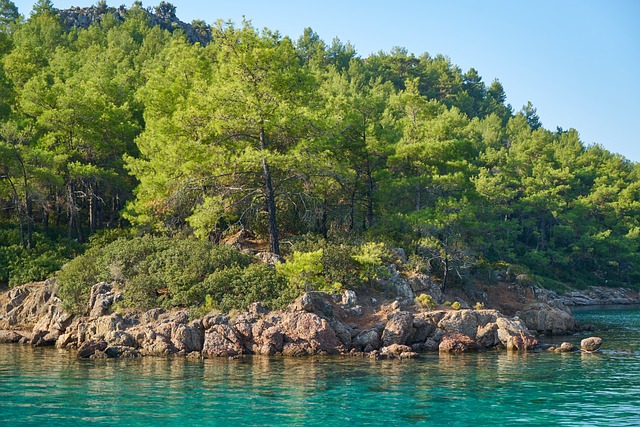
126, 125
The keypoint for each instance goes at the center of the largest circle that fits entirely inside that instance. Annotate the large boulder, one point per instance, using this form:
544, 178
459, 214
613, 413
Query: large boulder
398, 330
9, 337
457, 343
89, 348
367, 340
308, 334
591, 343
545, 318
221, 341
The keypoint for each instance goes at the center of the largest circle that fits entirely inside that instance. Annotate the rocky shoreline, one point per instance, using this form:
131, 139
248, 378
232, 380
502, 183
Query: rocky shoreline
315, 324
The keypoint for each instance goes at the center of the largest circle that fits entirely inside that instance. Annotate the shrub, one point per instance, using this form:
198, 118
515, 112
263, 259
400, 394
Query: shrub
426, 301
479, 306
455, 305
19, 265
152, 271
236, 288
338, 264
372, 258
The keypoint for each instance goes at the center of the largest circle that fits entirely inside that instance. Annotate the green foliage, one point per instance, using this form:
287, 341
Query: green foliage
152, 271
236, 288
372, 258
123, 121
479, 306
425, 301
455, 305
304, 270
20, 265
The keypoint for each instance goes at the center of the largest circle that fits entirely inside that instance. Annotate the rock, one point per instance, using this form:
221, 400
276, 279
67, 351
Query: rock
591, 343
100, 300
64, 340
487, 335
408, 355
120, 338
308, 333
512, 327
424, 284
9, 337
257, 309
368, 339
395, 350
456, 343
313, 302
270, 258
122, 352
221, 341
89, 348
398, 329
521, 342
42, 339
565, 347
187, 338
424, 327
545, 318
269, 341
349, 298
85, 16
342, 331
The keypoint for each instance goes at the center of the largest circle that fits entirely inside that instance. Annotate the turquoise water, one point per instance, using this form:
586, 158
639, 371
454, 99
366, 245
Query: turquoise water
47, 387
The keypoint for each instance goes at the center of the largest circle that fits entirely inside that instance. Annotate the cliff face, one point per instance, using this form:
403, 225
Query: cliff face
196, 32
315, 324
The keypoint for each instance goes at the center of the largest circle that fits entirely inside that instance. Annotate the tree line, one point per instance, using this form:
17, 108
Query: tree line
124, 125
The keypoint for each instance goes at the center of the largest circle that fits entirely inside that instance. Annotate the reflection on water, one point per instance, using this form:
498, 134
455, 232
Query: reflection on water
50, 387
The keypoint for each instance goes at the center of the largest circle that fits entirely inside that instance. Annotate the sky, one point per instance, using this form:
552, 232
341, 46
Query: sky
576, 60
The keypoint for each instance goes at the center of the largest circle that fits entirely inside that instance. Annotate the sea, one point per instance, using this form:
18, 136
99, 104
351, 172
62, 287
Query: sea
49, 387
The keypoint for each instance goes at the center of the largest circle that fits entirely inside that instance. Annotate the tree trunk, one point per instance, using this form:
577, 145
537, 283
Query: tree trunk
352, 207
370, 191
270, 202
30, 222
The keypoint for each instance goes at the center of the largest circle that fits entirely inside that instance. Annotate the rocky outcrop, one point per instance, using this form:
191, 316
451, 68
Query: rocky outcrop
315, 324
552, 319
35, 311
601, 296
83, 17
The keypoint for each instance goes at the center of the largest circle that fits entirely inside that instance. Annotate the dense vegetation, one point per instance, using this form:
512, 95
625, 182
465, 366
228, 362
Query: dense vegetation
127, 126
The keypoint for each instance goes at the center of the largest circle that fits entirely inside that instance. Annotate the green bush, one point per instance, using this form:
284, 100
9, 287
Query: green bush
338, 264
19, 265
425, 301
372, 258
236, 288
456, 305
158, 271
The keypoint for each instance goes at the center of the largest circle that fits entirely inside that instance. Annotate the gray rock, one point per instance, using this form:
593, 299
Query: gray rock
367, 339
88, 348
591, 343
398, 329
547, 318
565, 347
349, 298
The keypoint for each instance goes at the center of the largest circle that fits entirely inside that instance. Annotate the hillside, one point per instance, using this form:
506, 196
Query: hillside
122, 123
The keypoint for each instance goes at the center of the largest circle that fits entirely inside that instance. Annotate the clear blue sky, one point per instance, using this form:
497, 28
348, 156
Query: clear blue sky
577, 61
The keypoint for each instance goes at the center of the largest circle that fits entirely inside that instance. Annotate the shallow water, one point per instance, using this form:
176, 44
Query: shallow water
51, 388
